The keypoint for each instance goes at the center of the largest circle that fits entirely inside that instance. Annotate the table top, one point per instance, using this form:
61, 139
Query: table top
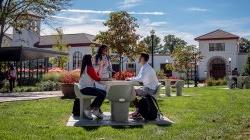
118, 82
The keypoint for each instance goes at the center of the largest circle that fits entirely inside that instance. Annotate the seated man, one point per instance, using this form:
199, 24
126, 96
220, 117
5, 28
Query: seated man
147, 76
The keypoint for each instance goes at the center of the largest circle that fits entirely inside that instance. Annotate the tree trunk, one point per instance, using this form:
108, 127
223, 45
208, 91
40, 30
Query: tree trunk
1, 35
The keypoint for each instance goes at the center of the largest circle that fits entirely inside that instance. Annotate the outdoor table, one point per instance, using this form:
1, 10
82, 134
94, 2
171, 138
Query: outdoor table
119, 102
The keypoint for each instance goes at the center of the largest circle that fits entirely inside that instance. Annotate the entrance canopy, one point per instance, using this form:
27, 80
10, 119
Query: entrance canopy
26, 53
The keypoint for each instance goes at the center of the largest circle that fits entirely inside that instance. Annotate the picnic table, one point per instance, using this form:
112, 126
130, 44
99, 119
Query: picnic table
119, 93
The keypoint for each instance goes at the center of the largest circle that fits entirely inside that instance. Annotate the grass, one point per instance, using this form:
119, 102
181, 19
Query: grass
210, 113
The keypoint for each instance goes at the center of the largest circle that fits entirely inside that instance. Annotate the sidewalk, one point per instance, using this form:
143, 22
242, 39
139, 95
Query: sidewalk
25, 96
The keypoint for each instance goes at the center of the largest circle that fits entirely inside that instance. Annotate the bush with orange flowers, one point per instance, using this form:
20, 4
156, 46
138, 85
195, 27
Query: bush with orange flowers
123, 75
70, 77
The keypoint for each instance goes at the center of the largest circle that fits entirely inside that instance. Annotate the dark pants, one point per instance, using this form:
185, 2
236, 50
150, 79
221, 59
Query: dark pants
100, 96
12, 84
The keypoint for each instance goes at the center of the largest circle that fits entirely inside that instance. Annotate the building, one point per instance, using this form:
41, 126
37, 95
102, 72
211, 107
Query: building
79, 45
220, 50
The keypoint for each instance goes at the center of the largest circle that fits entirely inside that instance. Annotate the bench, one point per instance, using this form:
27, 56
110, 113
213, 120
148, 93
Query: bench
85, 101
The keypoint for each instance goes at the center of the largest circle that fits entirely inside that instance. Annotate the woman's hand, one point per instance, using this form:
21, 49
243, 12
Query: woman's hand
101, 63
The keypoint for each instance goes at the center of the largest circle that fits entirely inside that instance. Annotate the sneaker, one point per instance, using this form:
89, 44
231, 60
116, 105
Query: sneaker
88, 114
97, 113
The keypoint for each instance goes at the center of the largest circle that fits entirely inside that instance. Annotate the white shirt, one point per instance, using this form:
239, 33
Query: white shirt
147, 76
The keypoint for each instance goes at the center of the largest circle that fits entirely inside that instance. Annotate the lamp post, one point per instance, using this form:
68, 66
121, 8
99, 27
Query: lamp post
152, 32
229, 67
196, 74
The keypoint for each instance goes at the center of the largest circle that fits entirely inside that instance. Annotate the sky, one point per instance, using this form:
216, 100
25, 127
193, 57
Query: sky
186, 19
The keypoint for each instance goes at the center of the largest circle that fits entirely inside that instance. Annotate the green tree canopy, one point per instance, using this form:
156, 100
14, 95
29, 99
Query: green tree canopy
184, 57
247, 66
171, 42
12, 10
121, 35
244, 45
60, 46
157, 43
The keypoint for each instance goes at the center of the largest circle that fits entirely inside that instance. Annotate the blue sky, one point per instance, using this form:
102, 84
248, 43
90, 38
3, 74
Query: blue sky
184, 18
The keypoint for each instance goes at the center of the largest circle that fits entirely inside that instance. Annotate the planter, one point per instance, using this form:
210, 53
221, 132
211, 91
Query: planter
68, 90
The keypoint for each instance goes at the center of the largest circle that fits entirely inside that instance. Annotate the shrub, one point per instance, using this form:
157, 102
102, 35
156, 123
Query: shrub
27, 89
209, 82
70, 77
160, 74
52, 76
48, 86
213, 82
123, 75
56, 69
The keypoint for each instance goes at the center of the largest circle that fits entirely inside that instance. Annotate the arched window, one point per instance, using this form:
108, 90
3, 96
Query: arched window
77, 58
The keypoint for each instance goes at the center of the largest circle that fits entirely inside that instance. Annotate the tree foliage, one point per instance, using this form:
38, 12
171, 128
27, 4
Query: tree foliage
12, 10
247, 66
157, 43
121, 35
244, 45
184, 57
60, 46
171, 42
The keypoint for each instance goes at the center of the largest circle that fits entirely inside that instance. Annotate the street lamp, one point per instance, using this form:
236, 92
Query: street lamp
152, 32
196, 74
229, 62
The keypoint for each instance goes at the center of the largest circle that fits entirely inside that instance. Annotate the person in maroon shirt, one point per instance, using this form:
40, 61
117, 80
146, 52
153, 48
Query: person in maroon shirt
87, 87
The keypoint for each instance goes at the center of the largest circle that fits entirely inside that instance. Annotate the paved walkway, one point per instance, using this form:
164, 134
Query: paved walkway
9, 97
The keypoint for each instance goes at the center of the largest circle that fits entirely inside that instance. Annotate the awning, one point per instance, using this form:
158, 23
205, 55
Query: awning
26, 53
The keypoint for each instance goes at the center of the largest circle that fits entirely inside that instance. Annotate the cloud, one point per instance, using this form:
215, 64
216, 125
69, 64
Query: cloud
162, 29
196, 9
156, 13
126, 4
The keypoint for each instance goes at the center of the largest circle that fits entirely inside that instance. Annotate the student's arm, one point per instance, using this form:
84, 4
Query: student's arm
140, 77
91, 72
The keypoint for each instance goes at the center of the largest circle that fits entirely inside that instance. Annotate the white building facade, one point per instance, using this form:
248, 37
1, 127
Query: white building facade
220, 51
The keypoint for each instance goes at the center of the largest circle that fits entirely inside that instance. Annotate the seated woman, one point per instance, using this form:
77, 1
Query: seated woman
87, 87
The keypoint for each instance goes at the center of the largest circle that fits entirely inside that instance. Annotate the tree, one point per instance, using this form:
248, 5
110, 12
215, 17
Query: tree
12, 10
247, 66
171, 43
121, 35
157, 43
244, 45
60, 46
184, 57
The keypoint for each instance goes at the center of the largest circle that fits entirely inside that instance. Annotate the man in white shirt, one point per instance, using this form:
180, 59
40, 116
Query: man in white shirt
147, 76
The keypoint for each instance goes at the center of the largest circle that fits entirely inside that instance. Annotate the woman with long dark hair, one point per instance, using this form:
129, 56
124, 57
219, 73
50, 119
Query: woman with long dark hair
87, 87
103, 63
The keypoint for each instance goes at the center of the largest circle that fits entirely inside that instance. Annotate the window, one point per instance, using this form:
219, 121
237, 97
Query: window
216, 47
131, 67
77, 58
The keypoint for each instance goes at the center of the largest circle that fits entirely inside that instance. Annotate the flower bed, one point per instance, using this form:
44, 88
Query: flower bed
123, 75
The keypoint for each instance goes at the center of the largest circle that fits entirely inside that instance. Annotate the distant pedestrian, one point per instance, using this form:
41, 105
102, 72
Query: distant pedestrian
11, 74
235, 74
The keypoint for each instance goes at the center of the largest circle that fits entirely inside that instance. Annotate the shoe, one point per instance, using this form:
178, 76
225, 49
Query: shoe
136, 116
88, 114
97, 113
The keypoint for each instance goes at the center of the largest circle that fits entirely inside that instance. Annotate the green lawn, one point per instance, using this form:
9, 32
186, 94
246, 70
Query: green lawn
210, 113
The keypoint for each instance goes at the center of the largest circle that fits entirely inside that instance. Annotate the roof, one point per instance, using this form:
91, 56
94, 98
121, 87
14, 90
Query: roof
81, 39
26, 53
217, 35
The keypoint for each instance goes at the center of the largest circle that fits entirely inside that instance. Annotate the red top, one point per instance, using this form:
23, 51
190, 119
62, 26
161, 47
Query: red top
92, 73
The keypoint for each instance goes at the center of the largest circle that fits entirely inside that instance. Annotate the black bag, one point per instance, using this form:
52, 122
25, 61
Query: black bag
76, 108
148, 108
